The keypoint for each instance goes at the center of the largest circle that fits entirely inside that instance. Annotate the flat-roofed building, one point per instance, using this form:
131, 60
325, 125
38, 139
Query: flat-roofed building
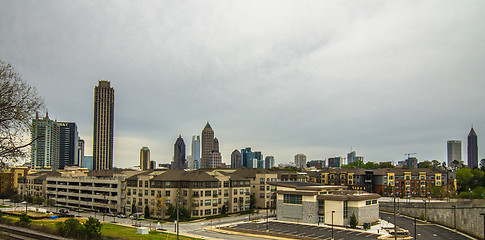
317, 203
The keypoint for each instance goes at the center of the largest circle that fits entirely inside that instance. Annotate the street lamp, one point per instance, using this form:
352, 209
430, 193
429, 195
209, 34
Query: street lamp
332, 223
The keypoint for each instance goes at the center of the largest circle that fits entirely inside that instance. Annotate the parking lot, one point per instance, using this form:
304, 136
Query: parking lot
316, 232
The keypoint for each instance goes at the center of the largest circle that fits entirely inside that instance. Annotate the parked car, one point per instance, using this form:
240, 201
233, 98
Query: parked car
63, 210
110, 215
121, 216
137, 216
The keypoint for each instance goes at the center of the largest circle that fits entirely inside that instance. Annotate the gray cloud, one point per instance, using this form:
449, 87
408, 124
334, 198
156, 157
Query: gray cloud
281, 76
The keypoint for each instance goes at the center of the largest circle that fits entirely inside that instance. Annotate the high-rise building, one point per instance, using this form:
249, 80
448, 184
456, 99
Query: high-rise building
45, 143
259, 159
103, 127
80, 152
269, 162
334, 162
300, 160
316, 163
179, 161
144, 158
247, 158
195, 157
235, 159
350, 157
88, 162
153, 164
454, 151
472, 149
211, 157
68, 144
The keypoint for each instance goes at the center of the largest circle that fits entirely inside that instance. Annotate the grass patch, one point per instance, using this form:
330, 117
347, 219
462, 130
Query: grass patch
113, 231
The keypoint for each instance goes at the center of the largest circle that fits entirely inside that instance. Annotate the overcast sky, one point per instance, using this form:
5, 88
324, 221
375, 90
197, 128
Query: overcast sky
284, 77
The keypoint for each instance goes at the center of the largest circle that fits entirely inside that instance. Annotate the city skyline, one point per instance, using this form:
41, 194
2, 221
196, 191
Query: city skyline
319, 78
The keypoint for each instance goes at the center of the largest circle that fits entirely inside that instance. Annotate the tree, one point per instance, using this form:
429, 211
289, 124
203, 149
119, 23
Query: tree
386, 165
92, 228
435, 164
371, 165
482, 164
252, 202
425, 164
24, 220
147, 212
70, 228
353, 221
38, 200
19, 104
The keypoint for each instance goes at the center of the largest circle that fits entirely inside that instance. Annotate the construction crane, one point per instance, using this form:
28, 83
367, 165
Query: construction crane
409, 154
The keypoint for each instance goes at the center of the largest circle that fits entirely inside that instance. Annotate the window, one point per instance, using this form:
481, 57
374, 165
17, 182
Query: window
208, 193
261, 188
134, 191
374, 201
368, 202
146, 201
346, 207
235, 200
391, 177
235, 191
167, 184
146, 184
185, 193
129, 192
195, 212
207, 202
261, 195
140, 183
207, 212
241, 191
226, 184
167, 193
146, 192
152, 193
261, 180
292, 199
234, 209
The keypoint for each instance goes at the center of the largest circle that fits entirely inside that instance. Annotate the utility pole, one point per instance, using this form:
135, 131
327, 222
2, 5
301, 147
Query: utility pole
332, 223
483, 214
267, 227
178, 199
395, 223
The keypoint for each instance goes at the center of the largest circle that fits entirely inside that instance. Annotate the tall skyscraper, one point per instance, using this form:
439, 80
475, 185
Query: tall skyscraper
179, 161
235, 159
144, 158
269, 162
103, 127
68, 144
45, 146
350, 157
472, 149
247, 158
300, 160
211, 157
80, 152
259, 159
195, 157
454, 151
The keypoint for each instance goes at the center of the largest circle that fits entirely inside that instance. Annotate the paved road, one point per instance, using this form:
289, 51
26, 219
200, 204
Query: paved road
425, 230
317, 232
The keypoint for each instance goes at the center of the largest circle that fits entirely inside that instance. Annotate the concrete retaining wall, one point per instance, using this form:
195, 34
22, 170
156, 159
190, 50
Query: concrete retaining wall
468, 218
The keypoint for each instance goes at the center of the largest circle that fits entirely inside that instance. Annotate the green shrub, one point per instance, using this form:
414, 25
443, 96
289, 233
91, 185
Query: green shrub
422, 216
353, 221
69, 228
24, 220
91, 229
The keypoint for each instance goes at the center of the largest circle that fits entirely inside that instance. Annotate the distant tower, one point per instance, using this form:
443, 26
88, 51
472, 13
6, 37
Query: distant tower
68, 144
235, 159
351, 157
144, 158
472, 149
454, 151
45, 146
103, 127
211, 157
179, 154
300, 160
269, 162
195, 152
80, 152
247, 156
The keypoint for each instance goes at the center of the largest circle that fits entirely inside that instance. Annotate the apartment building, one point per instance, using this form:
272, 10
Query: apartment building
413, 182
259, 185
203, 193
